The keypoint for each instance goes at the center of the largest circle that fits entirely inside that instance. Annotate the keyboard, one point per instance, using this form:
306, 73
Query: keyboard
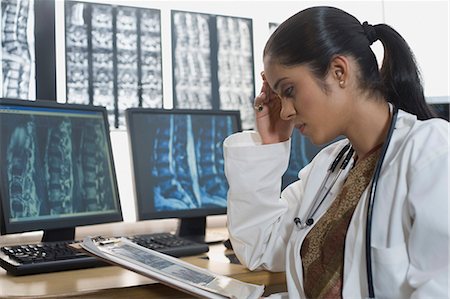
59, 256
170, 244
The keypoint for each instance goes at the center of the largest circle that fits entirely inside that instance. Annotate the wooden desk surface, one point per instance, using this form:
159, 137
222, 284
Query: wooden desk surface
115, 282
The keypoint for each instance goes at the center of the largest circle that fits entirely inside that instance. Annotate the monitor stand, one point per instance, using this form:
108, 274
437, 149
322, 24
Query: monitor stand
59, 234
194, 228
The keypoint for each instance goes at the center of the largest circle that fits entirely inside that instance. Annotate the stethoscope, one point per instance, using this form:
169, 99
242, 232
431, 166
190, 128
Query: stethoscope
345, 154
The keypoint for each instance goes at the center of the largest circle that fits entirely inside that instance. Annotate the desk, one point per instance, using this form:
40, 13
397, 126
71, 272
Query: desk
115, 282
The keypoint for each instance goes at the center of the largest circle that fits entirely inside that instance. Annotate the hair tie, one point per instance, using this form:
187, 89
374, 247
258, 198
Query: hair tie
370, 32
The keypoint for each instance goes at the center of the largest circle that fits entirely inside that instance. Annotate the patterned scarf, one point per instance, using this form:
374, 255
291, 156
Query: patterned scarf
322, 250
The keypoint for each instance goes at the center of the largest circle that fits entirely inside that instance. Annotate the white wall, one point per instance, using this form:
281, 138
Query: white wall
424, 24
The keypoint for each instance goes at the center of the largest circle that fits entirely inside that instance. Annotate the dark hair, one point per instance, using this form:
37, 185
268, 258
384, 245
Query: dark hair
314, 36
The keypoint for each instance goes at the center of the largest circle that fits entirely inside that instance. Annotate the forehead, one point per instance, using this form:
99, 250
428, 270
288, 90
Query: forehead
274, 70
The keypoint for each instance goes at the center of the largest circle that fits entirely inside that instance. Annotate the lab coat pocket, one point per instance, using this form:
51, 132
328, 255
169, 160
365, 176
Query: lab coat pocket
389, 268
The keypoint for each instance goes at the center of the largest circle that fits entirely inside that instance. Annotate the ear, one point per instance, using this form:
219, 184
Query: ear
339, 70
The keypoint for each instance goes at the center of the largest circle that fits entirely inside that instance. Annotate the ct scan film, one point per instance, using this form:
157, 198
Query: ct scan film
213, 63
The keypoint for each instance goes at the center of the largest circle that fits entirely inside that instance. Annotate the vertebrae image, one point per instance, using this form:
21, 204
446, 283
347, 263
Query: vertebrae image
187, 162
208, 137
94, 169
17, 48
56, 166
21, 172
117, 51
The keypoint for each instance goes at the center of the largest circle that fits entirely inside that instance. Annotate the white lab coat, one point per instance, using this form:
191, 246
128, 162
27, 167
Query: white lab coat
410, 230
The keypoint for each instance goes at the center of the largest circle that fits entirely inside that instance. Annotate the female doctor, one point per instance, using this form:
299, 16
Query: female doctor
376, 224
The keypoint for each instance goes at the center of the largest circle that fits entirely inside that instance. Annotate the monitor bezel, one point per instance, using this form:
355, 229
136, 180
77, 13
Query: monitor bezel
139, 201
441, 110
7, 227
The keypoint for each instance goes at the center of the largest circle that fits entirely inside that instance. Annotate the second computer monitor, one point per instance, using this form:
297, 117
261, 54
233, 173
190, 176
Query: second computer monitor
178, 164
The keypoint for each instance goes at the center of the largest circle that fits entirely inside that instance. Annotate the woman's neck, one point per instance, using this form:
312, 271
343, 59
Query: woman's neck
369, 128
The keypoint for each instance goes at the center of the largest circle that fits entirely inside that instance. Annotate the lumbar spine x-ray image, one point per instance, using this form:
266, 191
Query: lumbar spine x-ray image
55, 166
188, 162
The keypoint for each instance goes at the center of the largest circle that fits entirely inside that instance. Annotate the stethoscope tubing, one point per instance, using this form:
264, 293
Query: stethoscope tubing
347, 149
373, 190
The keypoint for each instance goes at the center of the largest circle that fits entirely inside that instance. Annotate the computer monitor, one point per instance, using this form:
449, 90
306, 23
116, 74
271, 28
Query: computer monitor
302, 152
178, 166
57, 170
441, 110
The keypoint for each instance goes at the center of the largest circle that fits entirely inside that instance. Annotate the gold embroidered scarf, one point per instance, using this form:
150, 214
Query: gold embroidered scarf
322, 250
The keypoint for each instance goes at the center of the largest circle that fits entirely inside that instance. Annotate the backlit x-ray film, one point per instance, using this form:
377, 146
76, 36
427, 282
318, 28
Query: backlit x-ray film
213, 63
113, 56
17, 50
235, 67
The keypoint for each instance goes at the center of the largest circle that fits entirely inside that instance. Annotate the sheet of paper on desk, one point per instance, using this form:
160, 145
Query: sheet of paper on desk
171, 271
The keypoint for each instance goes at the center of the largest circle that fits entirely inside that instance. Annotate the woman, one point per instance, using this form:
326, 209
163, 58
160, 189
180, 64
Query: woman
321, 78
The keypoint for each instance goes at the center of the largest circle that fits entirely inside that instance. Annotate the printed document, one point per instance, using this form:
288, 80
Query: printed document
169, 270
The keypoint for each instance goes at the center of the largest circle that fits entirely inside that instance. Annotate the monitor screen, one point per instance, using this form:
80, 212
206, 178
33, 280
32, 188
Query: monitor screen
302, 152
441, 110
57, 168
178, 164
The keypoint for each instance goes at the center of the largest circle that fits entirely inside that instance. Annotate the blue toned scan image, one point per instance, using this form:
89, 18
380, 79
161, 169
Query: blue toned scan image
22, 169
208, 138
55, 166
173, 189
187, 162
302, 152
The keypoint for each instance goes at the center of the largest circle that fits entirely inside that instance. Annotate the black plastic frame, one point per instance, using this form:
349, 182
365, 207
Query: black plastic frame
64, 223
186, 216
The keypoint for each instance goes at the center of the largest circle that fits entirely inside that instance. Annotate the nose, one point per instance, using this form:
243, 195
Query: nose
287, 111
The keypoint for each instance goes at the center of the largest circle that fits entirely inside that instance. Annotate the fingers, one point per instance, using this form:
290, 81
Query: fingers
260, 100
265, 97
263, 76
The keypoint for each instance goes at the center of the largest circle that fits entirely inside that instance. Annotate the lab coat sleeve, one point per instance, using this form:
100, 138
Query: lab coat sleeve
428, 204
257, 223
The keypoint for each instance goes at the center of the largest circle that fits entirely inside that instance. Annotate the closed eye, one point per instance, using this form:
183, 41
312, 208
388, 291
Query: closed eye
288, 92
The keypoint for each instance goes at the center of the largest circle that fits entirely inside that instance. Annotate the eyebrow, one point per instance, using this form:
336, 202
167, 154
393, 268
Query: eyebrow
275, 86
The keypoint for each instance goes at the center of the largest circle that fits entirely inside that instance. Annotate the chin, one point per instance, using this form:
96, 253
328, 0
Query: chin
314, 139
319, 140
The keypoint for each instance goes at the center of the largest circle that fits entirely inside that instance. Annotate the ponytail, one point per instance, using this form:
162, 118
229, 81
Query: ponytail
315, 35
400, 75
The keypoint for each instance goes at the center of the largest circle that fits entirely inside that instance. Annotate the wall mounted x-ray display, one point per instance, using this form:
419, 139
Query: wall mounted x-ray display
272, 27
17, 51
213, 66
113, 57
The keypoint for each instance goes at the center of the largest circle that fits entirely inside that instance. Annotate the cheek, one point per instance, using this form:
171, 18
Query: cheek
318, 113
306, 104
313, 106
